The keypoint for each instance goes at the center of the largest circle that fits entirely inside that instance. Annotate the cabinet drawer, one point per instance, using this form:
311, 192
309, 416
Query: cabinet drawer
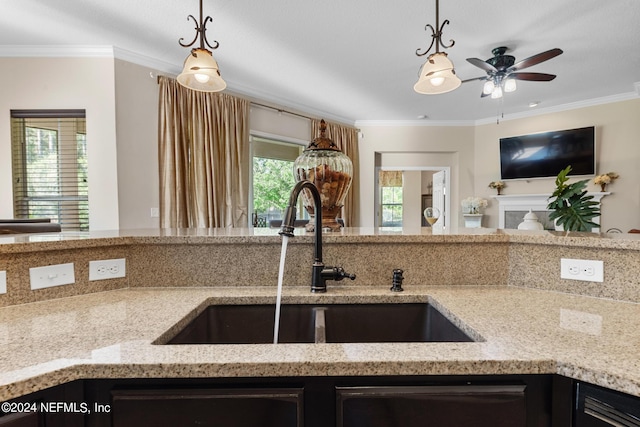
213, 407
442, 406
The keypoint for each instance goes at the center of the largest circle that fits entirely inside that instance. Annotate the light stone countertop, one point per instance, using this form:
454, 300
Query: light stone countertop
21, 243
521, 331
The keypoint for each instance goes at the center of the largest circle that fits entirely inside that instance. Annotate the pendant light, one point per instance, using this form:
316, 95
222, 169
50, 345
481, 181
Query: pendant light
437, 74
200, 71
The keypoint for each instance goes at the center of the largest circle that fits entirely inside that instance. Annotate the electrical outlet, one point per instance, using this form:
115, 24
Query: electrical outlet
582, 269
51, 275
107, 269
3, 282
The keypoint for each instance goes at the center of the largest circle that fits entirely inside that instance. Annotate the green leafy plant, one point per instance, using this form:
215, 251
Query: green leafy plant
571, 207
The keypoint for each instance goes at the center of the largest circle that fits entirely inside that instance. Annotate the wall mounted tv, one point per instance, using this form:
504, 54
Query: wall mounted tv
543, 155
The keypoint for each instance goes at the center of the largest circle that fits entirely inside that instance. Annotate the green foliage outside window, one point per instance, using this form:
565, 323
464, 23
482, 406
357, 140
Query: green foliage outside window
272, 184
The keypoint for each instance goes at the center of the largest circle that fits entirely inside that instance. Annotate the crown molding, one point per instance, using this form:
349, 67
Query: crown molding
56, 51
415, 123
147, 61
565, 107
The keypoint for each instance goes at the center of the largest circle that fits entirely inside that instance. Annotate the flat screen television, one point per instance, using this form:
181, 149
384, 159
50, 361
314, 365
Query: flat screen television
543, 155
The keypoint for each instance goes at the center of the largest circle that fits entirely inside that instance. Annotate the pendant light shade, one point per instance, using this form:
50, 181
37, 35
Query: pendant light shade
201, 72
437, 75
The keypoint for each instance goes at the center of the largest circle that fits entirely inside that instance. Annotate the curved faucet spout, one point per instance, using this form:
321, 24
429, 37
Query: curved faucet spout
290, 216
319, 273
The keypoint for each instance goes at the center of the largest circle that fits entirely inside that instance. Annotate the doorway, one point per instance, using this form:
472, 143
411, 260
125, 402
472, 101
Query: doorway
419, 185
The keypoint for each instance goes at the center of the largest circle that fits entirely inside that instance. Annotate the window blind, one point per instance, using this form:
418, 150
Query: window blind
49, 165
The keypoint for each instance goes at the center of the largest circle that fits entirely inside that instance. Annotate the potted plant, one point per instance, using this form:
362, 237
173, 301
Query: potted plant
497, 185
472, 211
571, 208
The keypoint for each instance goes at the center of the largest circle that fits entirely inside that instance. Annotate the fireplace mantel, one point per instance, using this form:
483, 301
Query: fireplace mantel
535, 202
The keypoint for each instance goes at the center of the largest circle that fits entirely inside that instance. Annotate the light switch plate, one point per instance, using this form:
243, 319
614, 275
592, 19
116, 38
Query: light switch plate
3, 282
51, 275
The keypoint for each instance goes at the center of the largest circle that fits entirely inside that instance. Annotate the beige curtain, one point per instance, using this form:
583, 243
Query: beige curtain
346, 138
390, 178
204, 158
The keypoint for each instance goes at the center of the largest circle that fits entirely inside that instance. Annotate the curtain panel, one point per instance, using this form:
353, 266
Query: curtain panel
203, 141
346, 138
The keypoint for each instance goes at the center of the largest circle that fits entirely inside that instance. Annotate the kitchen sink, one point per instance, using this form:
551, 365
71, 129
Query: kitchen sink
249, 324
390, 323
330, 323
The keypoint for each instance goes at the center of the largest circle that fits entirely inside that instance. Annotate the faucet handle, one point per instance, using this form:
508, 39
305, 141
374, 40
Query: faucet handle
337, 274
344, 275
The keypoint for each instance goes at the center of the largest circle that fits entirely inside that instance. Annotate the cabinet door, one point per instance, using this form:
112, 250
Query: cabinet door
437, 406
207, 407
32, 419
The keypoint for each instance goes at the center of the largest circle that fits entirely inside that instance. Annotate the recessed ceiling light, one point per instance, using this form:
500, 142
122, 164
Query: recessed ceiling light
422, 117
533, 104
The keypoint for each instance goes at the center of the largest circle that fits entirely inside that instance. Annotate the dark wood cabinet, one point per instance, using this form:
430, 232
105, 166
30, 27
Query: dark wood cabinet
61, 406
266, 407
442, 406
375, 401
30, 419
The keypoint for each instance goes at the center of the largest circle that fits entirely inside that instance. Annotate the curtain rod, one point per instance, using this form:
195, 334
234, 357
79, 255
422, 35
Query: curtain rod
280, 110
257, 104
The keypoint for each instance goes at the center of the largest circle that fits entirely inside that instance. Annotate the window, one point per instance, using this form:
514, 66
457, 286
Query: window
49, 158
391, 198
273, 178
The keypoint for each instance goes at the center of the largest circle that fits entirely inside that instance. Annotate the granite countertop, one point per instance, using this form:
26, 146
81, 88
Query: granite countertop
520, 331
78, 240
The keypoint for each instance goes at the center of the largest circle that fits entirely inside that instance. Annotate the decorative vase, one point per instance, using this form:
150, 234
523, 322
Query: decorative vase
499, 190
530, 222
331, 171
603, 187
472, 220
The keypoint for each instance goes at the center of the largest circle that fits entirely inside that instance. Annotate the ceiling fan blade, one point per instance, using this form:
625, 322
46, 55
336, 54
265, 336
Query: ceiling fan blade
483, 65
475, 79
535, 59
534, 77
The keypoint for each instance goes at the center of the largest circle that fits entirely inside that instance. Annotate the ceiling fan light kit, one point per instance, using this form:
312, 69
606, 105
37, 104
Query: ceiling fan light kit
437, 74
200, 71
502, 71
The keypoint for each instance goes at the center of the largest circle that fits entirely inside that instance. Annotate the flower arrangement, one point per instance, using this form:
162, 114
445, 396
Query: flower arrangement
497, 185
607, 178
473, 205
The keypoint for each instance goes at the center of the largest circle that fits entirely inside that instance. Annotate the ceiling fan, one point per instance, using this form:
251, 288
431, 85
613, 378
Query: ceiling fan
503, 71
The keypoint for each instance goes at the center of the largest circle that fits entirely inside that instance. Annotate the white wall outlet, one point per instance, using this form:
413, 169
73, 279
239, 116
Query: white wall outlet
3, 282
107, 269
582, 269
155, 212
51, 275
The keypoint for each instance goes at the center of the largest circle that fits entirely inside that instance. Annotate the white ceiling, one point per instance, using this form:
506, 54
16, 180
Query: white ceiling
355, 59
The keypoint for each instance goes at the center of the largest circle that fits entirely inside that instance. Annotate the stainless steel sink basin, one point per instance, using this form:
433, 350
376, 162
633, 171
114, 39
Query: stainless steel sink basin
330, 323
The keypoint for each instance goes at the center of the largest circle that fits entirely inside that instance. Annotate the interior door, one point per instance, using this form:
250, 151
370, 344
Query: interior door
439, 195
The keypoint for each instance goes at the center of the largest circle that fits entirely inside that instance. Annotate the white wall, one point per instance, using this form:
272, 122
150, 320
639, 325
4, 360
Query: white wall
65, 83
416, 146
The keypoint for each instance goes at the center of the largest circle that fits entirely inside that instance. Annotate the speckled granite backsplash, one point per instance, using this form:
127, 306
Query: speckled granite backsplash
188, 258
